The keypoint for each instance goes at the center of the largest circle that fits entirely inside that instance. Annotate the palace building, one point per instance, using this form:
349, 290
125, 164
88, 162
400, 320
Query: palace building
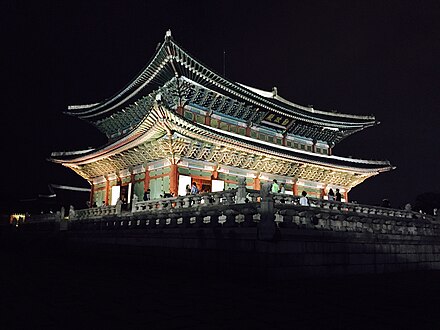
180, 122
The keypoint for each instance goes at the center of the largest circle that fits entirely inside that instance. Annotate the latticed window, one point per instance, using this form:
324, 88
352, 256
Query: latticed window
214, 123
224, 126
200, 119
318, 150
279, 141
253, 134
189, 115
241, 131
233, 128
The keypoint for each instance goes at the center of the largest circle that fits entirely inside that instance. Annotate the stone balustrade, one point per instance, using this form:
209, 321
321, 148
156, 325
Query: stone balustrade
227, 197
350, 207
95, 212
46, 217
229, 208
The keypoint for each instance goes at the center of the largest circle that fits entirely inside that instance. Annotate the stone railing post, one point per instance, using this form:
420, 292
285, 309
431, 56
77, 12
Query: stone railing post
266, 225
241, 191
119, 207
133, 203
72, 214
229, 196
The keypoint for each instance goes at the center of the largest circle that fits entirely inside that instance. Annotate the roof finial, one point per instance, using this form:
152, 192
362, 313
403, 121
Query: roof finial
168, 34
274, 91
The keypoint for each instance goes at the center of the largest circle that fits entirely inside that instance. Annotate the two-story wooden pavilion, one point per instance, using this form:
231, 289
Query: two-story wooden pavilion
178, 122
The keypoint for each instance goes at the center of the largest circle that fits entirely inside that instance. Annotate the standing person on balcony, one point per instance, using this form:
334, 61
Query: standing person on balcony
188, 190
194, 189
282, 188
147, 195
338, 195
304, 201
331, 195
275, 187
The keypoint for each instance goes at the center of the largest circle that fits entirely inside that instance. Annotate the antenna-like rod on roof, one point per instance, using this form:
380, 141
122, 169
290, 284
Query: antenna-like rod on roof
224, 63
168, 34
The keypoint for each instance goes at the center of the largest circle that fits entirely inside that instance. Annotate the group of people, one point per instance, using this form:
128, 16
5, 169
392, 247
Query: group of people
193, 190
332, 196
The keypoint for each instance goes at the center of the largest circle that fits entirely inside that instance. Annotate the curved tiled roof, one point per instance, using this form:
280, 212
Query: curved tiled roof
170, 61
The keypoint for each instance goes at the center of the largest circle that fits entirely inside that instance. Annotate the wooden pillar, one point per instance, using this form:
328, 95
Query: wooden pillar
147, 179
132, 181
314, 146
346, 196
180, 110
214, 175
92, 190
248, 131
284, 141
208, 119
107, 187
295, 189
257, 183
174, 178
323, 192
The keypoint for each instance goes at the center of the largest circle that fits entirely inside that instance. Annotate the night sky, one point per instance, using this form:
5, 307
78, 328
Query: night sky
359, 57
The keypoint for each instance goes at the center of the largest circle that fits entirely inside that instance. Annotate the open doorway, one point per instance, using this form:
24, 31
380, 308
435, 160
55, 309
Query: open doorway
202, 185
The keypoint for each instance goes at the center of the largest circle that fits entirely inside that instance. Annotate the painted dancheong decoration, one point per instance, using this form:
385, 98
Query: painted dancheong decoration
179, 122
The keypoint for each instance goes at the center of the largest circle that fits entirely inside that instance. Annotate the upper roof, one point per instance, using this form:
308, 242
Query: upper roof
182, 79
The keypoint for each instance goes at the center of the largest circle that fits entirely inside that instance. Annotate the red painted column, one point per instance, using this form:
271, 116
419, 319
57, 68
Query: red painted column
208, 120
147, 180
322, 193
180, 110
107, 187
132, 181
174, 179
248, 131
257, 183
295, 189
284, 141
92, 190
214, 175
346, 196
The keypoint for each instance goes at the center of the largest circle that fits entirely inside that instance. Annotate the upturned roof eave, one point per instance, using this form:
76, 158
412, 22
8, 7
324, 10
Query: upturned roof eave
149, 126
283, 107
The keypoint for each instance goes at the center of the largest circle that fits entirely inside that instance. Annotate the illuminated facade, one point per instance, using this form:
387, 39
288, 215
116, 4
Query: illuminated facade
179, 122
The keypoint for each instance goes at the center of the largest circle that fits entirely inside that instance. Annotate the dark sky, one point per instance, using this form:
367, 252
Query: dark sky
360, 57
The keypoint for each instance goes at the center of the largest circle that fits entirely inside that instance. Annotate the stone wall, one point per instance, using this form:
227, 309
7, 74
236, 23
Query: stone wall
325, 239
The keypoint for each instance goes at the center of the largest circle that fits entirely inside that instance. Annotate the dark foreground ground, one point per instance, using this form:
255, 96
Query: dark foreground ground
45, 286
